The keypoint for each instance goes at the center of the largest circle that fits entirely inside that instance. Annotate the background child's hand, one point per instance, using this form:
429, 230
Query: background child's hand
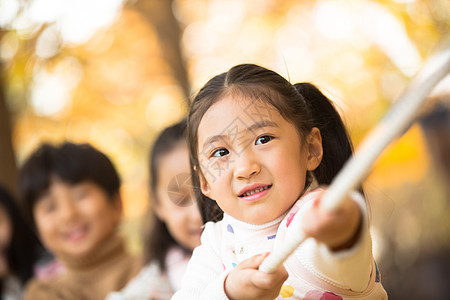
246, 282
338, 229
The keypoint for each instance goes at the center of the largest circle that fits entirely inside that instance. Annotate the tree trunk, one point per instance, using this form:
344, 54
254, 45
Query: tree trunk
159, 14
8, 168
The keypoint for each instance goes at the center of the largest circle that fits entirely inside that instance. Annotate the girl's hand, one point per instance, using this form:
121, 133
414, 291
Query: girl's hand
338, 229
246, 282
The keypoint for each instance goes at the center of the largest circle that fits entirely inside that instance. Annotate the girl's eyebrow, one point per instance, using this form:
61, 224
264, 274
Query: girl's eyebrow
213, 139
43, 195
262, 124
253, 127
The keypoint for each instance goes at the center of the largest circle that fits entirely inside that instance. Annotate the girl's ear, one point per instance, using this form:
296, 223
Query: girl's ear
117, 202
315, 150
159, 211
118, 206
204, 186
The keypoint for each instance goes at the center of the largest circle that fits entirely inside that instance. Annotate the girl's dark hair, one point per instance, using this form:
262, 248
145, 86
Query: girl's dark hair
301, 104
72, 163
158, 241
436, 125
24, 249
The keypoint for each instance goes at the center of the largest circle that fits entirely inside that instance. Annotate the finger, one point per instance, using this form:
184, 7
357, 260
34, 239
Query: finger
317, 198
269, 280
252, 262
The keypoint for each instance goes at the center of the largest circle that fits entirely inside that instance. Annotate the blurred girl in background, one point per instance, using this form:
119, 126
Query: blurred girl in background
176, 224
20, 249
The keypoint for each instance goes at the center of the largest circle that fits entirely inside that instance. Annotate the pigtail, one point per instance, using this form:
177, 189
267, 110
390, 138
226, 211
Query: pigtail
336, 143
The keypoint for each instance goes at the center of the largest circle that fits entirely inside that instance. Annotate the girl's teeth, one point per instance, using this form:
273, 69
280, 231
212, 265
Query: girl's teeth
255, 191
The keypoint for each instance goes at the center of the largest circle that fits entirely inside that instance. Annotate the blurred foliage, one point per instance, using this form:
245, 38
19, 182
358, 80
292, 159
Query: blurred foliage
98, 72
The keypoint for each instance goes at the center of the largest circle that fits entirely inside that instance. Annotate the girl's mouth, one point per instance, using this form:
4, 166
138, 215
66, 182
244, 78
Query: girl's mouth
255, 194
76, 234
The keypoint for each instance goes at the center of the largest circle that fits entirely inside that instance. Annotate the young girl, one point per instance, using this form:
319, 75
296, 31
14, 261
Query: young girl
260, 147
20, 249
176, 223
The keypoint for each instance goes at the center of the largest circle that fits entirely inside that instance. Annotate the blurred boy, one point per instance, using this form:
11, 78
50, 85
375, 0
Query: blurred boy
71, 195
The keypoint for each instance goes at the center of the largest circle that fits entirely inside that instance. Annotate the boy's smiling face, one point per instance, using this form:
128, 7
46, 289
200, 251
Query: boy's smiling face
253, 162
73, 220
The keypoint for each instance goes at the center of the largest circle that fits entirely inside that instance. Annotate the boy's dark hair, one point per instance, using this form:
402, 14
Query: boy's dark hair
72, 163
24, 249
158, 241
302, 104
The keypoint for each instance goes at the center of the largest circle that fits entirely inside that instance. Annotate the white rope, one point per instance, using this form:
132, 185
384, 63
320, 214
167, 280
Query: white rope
395, 123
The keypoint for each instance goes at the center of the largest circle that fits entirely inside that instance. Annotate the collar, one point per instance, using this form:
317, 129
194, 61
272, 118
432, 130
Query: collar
103, 254
248, 227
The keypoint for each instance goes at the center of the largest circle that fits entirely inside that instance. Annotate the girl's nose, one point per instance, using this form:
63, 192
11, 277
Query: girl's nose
67, 211
246, 165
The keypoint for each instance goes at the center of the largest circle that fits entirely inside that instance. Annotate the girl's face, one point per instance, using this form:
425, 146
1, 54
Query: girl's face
176, 205
253, 162
73, 220
5, 240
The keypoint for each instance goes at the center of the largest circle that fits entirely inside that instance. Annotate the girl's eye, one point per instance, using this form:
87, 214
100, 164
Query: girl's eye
183, 201
46, 205
80, 195
263, 139
50, 207
80, 192
220, 152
